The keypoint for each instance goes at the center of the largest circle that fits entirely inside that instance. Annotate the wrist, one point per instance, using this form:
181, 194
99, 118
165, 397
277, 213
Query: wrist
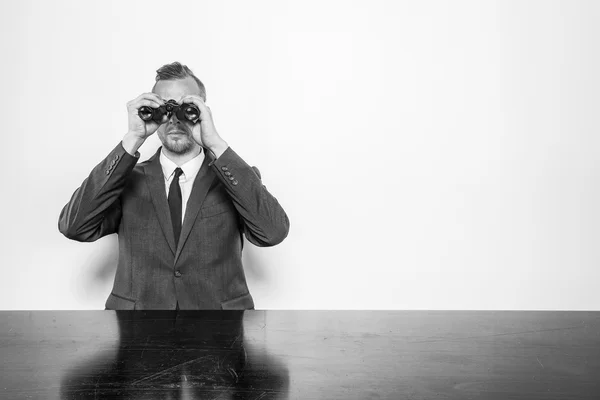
132, 142
218, 148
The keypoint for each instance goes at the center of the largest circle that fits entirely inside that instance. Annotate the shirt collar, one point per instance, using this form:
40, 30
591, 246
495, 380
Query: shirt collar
190, 168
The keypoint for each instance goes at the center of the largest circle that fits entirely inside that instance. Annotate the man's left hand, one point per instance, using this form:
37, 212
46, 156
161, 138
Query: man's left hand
204, 131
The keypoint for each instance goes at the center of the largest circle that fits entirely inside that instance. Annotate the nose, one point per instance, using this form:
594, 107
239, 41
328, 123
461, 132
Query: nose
174, 119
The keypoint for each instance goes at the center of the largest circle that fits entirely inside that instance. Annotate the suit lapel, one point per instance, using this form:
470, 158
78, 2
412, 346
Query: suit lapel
202, 185
156, 185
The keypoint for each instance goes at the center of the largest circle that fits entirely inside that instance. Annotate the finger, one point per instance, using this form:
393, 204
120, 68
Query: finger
190, 98
145, 100
148, 96
140, 103
197, 101
152, 95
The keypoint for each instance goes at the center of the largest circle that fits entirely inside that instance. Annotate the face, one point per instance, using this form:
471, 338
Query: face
176, 135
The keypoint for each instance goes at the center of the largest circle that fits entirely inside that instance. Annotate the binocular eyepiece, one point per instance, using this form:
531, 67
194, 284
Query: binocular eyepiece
184, 112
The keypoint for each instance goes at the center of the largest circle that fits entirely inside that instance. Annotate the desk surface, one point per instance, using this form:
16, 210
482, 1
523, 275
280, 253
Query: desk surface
300, 355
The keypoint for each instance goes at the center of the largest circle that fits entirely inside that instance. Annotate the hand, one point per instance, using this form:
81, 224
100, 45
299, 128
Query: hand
204, 131
137, 127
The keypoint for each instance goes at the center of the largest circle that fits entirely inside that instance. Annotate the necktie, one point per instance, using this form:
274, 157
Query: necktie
175, 204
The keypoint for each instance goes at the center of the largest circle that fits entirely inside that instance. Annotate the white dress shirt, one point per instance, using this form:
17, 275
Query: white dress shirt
186, 180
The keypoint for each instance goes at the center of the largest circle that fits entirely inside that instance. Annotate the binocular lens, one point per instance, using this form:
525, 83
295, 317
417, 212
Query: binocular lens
185, 112
191, 113
152, 114
145, 113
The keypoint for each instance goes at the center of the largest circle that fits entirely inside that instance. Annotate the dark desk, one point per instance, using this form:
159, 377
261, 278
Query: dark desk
300, 355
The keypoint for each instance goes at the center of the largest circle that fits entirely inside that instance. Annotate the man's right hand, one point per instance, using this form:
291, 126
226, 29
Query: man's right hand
140, 130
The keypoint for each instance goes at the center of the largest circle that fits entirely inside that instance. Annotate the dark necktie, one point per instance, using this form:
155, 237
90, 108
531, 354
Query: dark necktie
175, 204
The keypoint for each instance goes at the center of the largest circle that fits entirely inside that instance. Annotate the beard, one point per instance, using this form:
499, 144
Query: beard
178, 143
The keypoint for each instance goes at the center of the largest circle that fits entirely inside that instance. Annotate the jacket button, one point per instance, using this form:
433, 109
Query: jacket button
231, 178
107, 172
234, 183
227, 173
224, 168
177, 274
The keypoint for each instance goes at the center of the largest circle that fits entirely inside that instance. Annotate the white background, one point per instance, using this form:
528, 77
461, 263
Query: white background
429, 154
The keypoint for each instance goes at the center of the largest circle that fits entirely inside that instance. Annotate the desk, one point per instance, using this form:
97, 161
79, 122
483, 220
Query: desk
300, 355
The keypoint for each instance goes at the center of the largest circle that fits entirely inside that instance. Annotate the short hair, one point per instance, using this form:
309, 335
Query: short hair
176, 70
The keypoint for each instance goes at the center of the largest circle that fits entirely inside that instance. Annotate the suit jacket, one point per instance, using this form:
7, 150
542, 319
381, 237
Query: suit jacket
205, 270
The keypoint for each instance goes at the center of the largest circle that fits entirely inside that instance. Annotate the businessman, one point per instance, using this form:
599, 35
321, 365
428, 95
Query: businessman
181, 215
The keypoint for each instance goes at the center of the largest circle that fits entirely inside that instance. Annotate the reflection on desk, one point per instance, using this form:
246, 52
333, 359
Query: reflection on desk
300, 355
144, 355
183, 355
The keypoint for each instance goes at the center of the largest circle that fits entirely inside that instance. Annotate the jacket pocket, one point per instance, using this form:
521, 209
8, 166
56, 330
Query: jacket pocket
216, 209
243, 302
116, 302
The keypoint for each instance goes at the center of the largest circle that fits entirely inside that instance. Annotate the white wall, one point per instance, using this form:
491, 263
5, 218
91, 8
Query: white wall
430, 155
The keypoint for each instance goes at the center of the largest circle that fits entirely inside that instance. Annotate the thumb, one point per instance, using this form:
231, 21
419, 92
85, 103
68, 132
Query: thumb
197, 133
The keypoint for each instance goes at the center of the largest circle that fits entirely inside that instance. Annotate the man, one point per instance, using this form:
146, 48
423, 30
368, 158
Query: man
180, 215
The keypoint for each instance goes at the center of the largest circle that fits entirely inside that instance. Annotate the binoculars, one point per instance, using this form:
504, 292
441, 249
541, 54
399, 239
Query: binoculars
183, 112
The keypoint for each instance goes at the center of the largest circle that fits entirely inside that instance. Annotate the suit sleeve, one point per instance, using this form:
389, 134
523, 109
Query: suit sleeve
94, 210
265, 221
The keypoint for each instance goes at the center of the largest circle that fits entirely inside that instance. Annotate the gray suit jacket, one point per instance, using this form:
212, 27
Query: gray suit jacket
205, 270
